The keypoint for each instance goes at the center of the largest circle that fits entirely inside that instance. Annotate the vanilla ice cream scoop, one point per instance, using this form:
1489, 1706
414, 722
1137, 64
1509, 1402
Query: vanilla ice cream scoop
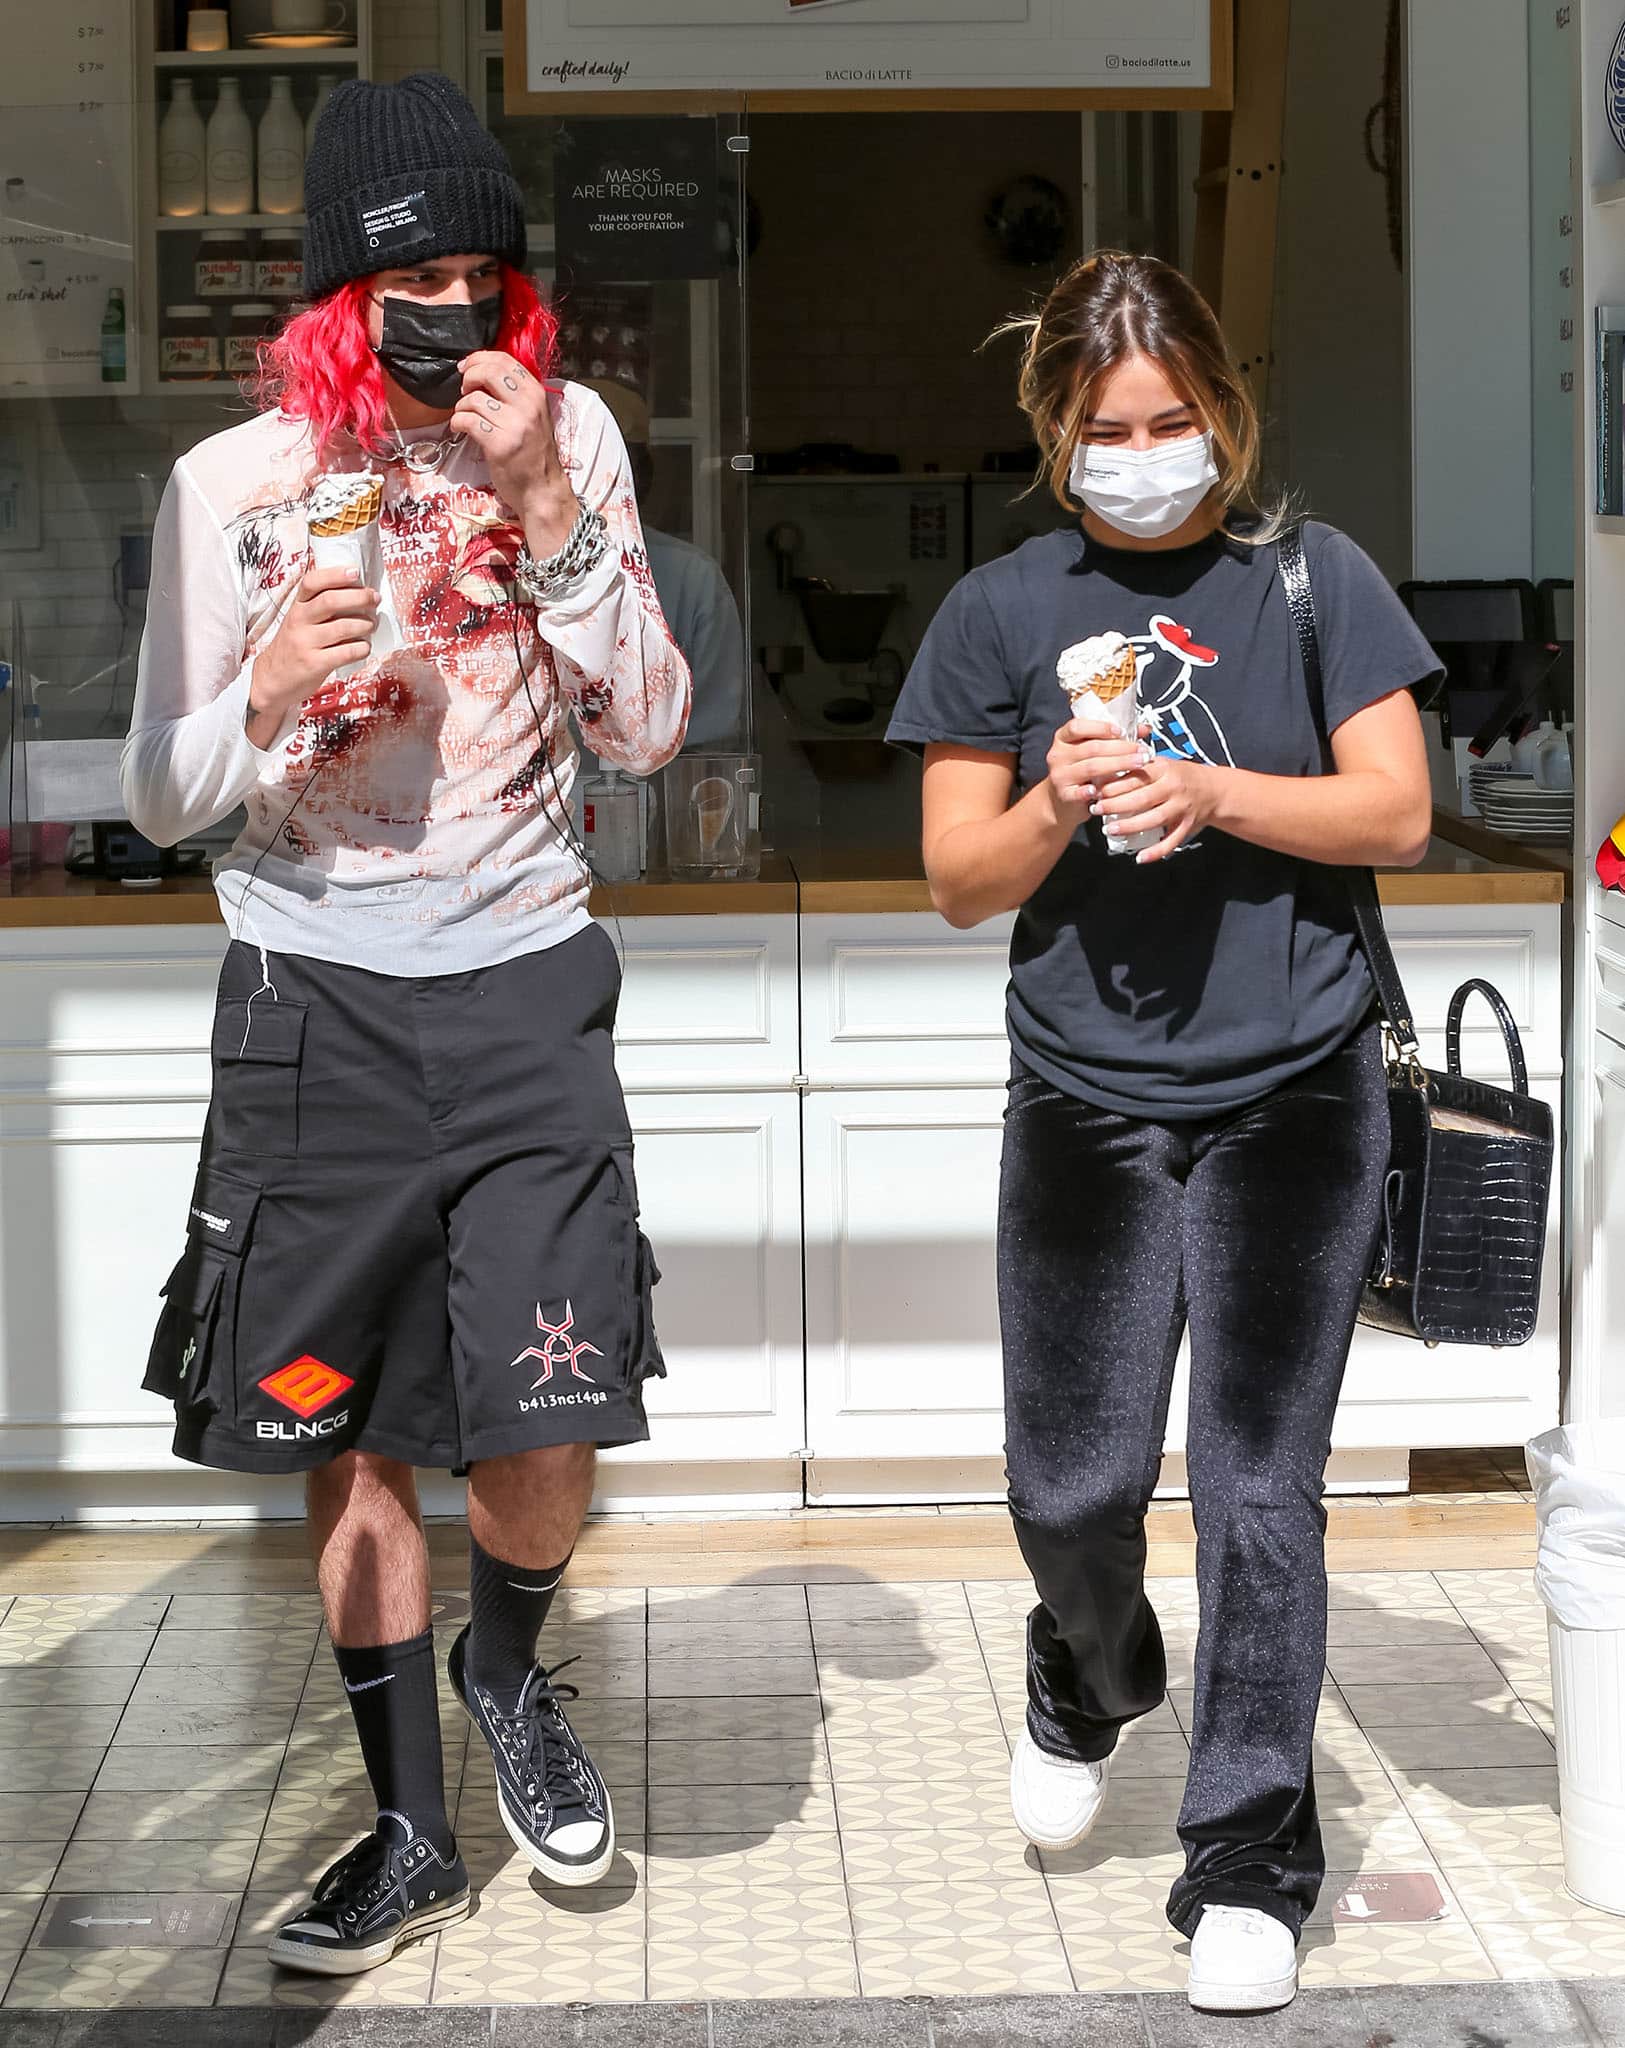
344, 502
1103, 666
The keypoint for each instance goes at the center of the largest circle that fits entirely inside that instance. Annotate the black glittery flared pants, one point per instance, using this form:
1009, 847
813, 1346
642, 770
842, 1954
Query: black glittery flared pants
1115, 1234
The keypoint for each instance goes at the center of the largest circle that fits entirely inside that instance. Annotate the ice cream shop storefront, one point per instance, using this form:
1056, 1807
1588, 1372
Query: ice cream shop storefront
778, 234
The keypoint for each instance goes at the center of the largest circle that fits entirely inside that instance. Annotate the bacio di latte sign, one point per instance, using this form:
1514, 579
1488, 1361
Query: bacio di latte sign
646, 55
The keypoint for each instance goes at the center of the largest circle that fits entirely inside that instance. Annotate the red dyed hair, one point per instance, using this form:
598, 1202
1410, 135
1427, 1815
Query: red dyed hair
321, 366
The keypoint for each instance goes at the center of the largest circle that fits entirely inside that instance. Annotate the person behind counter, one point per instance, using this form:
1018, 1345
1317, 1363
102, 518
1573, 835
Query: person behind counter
1197, 1130
413, 1239
694, 595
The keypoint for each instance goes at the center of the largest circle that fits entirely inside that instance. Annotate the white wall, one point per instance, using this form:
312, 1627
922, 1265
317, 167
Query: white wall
1467, 147
1340, 432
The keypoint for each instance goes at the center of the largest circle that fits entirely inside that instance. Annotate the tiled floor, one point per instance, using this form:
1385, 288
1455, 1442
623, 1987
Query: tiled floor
810, 1789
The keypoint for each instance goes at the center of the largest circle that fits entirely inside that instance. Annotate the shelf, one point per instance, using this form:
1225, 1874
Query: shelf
1607, 522
209, 223
1609, 192
254, 60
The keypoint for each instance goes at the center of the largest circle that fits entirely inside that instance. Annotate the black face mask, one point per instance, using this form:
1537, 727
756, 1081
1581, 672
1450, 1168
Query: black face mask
422, 345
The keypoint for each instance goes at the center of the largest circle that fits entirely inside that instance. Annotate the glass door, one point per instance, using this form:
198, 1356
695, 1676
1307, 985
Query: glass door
640, 240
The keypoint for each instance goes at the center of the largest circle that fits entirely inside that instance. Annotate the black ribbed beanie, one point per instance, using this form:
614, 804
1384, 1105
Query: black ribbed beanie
399, 173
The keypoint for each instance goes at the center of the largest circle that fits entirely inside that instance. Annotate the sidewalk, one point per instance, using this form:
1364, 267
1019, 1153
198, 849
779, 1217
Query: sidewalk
808, 1764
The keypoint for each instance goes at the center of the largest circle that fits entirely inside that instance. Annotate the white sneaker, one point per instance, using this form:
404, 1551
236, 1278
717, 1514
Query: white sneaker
1055, 1802
1242, 1960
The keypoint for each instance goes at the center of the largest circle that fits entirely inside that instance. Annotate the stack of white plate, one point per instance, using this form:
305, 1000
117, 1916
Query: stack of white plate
1515, 804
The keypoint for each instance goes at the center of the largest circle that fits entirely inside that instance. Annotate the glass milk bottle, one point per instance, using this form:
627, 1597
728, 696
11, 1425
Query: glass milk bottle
281, 151
610, 826
325, 82
229, 153
180, 153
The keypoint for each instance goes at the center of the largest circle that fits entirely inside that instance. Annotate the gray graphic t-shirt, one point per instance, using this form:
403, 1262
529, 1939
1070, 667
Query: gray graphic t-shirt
1197, 984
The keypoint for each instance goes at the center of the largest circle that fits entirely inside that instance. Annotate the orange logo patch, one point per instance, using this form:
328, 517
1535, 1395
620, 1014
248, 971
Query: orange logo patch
305, 1385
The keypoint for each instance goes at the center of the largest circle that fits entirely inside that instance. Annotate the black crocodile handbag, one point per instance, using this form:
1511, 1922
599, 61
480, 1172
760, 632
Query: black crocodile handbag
1463, 1222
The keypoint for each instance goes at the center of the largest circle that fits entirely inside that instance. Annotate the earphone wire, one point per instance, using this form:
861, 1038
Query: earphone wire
566, 822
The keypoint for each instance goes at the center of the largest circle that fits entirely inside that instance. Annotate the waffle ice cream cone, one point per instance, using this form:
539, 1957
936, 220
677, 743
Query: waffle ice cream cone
344, 504
1104, 668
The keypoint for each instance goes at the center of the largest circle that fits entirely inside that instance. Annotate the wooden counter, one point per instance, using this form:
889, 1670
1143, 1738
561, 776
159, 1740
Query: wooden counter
827, 884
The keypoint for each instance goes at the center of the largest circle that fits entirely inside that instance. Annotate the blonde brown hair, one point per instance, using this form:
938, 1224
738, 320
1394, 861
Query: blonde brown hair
1111, 306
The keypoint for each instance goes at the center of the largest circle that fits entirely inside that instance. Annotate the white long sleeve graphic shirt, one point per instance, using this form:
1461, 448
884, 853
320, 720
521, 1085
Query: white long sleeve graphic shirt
410, 819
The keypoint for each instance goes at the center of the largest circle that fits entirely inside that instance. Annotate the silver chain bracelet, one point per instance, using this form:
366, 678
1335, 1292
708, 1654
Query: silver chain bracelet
585, 548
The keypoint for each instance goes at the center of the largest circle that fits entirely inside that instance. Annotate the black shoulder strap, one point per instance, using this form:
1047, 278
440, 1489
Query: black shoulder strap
1362, 883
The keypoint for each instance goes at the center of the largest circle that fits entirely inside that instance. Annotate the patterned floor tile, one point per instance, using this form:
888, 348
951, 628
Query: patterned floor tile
793, 1759
32, 1866
27, 1728
1398, 1592
685, 1678
205, 1866
1463, 1746
493, 1862
722, 1606
85, 1611
65, 1767
478, 1812
1425, 1664
780, 1969
1149, 1958
194, 1612
794, 1718
18, 1913
528, 1948
991, 1856
212, 1724
1555, 1948
1525, 1892
1355, 1628
957, 1938
123, 1977
1469, 1817
699, 1915
731, 1640
804, 1858
1432, 1706
591, 1603
977, 1798
38, 1816
152, 1769
172, 1817
250, 1978
1437, 1952
67, 1685
50, 1647
900, 1603
680, 1809
279, 1653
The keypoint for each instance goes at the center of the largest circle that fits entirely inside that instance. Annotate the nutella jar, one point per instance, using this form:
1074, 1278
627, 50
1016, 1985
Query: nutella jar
188, 347
245, 330
225, 264
280, 271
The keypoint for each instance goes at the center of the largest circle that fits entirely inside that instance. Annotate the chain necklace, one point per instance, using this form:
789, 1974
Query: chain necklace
421, 457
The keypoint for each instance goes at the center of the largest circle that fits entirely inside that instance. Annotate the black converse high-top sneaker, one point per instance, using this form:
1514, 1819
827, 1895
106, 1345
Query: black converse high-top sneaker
386, 1891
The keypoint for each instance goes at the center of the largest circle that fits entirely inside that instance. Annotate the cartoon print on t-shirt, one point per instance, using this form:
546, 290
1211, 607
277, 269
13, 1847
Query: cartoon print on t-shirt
1182, 722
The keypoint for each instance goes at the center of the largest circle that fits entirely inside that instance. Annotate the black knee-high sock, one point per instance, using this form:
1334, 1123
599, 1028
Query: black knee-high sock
509, 1603
393, 1696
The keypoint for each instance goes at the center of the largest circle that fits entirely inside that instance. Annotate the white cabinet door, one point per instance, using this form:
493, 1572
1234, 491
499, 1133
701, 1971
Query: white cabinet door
104, 1079
719, 1181
902, 1320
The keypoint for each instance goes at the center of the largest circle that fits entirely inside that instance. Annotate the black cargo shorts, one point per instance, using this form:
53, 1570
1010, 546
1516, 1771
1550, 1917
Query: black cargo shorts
414, 1229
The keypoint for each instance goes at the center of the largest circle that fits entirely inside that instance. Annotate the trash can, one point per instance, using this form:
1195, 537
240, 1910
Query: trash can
1578, 1474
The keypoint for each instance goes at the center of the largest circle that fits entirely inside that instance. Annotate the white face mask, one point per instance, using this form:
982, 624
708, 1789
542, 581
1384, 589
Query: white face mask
1147, 492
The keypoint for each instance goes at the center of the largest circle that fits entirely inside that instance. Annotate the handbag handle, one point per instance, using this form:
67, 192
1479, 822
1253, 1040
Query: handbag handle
1503, 1016
1362, 882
